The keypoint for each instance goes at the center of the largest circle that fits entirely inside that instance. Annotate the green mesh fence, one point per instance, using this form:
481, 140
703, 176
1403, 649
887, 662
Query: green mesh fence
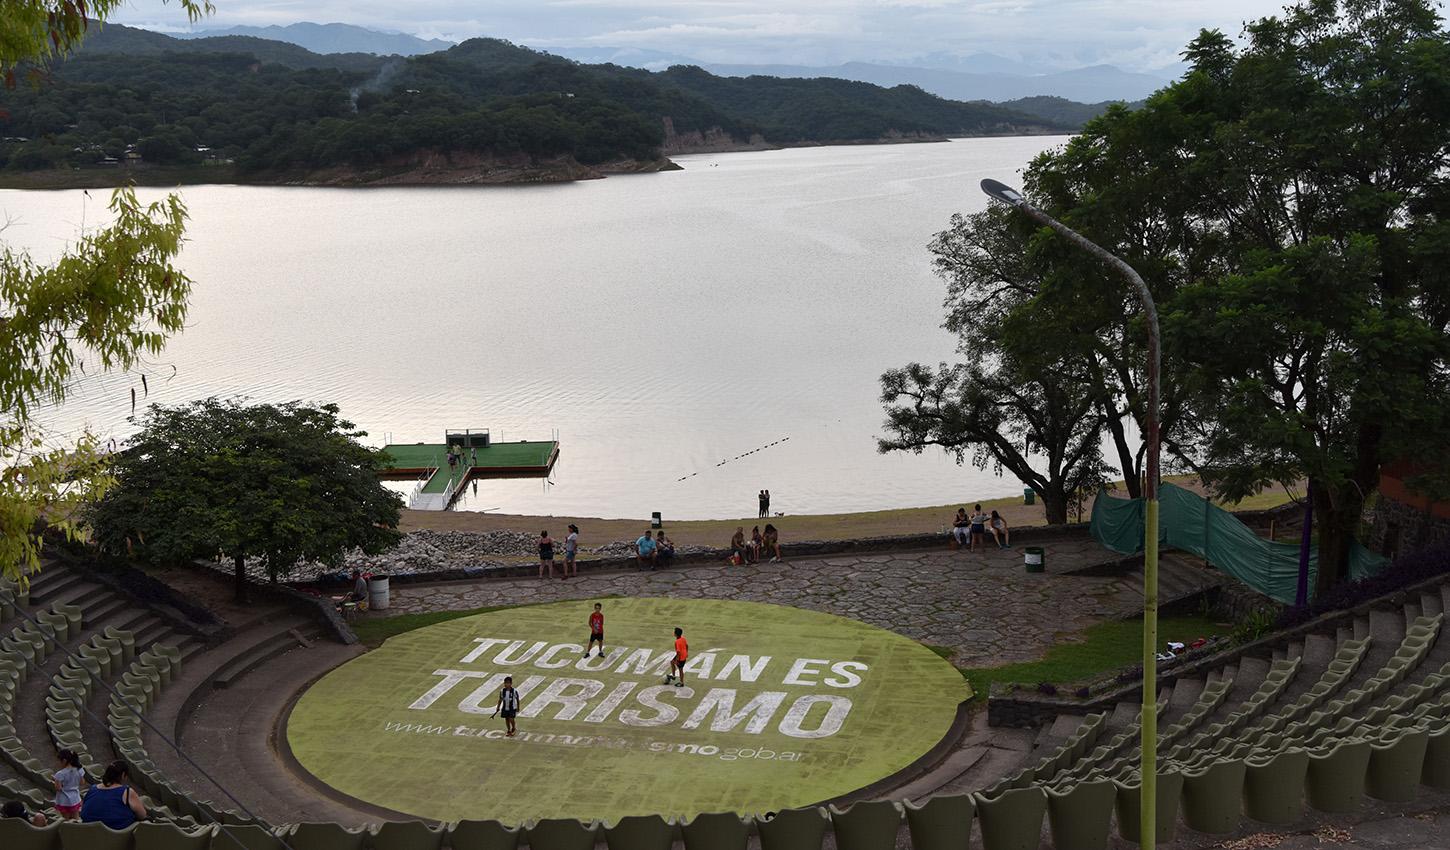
1190, 522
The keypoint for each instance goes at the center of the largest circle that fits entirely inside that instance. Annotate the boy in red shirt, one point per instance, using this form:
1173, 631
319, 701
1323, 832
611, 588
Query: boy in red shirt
596, 630
677, 664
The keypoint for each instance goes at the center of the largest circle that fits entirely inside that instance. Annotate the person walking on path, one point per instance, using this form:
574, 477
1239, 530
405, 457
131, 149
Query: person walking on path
771, 543
508, 703
68, 781
596, 630
571, 551
473, 456
1000, 532
546, 553
979, 528
677, 664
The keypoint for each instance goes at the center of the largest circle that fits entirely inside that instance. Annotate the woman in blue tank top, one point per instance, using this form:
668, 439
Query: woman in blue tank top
113, 802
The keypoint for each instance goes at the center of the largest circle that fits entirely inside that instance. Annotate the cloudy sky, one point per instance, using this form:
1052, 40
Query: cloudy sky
1050, 34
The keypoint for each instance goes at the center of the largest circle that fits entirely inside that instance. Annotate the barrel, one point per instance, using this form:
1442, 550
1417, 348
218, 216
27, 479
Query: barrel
1029, 496
378, 593
1035, 559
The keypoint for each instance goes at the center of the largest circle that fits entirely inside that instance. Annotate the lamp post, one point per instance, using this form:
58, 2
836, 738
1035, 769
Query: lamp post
1147, 823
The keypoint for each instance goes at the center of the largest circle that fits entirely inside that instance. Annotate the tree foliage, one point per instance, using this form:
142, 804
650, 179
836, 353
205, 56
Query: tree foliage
277, 483
1028, 398
108, 300
1286, 202
277, 108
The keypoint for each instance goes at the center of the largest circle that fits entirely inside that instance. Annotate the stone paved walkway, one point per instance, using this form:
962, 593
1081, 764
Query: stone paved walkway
984, 606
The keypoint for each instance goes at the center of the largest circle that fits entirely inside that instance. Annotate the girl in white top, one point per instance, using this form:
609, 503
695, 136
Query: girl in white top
1000, 532
68, 780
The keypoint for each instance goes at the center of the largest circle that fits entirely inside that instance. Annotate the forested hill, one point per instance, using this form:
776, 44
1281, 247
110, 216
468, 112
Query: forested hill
271, 110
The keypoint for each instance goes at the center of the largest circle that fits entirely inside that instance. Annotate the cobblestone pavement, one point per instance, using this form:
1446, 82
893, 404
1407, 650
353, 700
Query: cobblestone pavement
984, 606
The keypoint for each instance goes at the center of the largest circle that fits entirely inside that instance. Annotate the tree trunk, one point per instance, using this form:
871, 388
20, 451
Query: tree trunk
1054, 504
241, 573
1127, 461
1338, 516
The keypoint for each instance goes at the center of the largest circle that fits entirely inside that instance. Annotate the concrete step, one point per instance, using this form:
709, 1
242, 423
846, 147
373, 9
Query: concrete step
1431, 604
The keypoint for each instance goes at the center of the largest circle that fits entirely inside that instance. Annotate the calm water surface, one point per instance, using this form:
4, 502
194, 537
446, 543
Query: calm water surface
658, 324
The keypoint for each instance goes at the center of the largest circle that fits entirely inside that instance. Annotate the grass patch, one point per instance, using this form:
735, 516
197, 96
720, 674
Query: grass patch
1106, 647
372, 631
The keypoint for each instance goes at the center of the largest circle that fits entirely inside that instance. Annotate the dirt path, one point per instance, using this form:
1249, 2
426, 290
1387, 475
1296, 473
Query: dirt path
797, 527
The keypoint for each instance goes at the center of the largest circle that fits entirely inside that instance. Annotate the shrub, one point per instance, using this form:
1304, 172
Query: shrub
1406, 570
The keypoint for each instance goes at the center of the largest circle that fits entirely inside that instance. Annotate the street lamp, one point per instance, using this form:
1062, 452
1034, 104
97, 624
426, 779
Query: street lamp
1147, 826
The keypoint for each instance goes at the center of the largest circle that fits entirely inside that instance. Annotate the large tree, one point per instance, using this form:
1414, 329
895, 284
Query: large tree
110, 299
278, 483
1322, 349
1027, 399
1286, 202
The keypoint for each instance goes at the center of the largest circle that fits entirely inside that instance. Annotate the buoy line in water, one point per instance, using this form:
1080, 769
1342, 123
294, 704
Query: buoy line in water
737, 457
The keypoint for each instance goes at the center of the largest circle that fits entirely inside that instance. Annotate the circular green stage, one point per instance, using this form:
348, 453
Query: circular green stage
782, 707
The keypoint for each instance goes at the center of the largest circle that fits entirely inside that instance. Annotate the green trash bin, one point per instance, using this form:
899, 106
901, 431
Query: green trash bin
1035, 559
1029, 496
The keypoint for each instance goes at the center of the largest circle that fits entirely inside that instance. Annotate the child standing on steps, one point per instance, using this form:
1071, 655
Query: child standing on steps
68, 780
508, 703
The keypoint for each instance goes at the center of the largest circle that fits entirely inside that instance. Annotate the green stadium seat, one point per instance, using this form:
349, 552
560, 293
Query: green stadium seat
406, 835
16, 834
1130, 800
1213, 796
1436, 773
793, 829
1081, 815
561, 834
716, 831
636, 832
249, 836
164, 836
483, 835
1013, 819
1336, 776
1395, 767
93, 836
323, 836
943, 822
127, 639
867, 825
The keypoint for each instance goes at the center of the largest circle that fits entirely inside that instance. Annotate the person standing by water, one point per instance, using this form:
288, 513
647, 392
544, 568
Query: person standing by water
979, 528
765, 508
571, 551
546, 553
760, 498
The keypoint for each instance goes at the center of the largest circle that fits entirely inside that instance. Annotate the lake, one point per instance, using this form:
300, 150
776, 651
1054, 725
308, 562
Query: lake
690, 337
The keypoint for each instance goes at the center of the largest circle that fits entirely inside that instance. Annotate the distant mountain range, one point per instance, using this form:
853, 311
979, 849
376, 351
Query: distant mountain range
333, 38
981, 76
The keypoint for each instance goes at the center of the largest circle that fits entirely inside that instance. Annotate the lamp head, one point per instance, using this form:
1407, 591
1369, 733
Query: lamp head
1002, 192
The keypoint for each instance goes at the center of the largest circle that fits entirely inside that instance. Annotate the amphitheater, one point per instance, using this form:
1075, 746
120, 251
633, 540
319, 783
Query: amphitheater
1338, 720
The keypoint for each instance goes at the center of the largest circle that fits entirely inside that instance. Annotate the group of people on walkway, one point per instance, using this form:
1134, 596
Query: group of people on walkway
571, 552
971, 530
760, 544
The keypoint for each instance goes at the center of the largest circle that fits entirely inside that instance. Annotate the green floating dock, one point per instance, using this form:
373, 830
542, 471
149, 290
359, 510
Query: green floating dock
526, 458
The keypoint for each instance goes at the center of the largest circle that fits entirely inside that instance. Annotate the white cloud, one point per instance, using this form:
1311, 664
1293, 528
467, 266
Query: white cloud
1051, 34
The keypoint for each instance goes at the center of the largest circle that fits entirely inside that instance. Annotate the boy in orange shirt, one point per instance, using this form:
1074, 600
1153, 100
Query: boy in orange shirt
677, 664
